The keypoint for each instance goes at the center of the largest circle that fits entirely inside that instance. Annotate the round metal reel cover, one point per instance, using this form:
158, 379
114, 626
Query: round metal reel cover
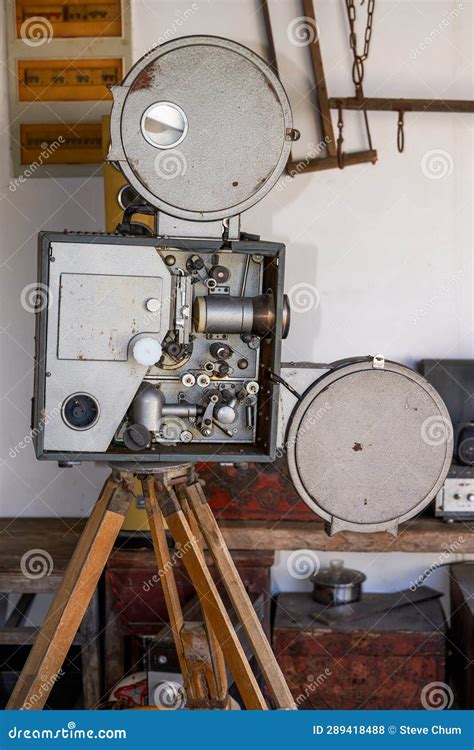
369, 447
223, 120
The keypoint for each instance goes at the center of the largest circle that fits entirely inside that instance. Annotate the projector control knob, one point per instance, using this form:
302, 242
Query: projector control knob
147, 351
152, 305
470, 497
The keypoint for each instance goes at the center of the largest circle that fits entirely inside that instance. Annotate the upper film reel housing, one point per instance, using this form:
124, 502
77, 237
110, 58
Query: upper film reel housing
201, 127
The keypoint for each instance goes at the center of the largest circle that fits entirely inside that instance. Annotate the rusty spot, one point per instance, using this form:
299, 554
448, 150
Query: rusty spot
357, 447
235, 183
144, 80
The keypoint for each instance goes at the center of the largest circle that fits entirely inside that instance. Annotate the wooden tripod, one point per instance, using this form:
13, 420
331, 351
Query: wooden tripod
175, 494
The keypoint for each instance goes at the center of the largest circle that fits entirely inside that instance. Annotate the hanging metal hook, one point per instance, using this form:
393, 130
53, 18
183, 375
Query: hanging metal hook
401, 132
340, 140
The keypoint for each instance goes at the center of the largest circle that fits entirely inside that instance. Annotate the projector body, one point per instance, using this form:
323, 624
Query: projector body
208, 397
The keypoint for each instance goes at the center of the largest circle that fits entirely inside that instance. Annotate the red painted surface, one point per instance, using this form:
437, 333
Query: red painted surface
253, 491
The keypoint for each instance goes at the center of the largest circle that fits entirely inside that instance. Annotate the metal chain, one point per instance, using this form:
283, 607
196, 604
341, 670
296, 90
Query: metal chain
401, 132
340, 140
359, 59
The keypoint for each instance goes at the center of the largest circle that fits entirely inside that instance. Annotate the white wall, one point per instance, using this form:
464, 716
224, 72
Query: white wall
387, 247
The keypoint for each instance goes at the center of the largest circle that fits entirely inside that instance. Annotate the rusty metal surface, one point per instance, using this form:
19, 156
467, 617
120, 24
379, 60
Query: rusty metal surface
238, 135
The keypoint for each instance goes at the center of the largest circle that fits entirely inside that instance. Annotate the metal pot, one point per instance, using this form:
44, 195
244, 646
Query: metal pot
337, 585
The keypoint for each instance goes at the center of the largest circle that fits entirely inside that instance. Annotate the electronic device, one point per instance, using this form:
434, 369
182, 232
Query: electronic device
454, 380
162, 347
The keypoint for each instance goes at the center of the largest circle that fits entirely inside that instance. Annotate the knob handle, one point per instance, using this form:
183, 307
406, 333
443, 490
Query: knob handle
147, 351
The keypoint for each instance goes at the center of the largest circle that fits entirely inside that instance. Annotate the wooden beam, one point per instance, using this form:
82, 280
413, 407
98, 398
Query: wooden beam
322, 100
210, 599
20, 611
239, 598
380, 104
330, 162
418, 535
424, 534
166, 574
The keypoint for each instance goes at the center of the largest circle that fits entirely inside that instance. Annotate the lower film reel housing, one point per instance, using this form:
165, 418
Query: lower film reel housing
369, 445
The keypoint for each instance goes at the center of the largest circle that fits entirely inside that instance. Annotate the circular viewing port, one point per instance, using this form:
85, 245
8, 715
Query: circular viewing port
164, 125
80, 411
126, 196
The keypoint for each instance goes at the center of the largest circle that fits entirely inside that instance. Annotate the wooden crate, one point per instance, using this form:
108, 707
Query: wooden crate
68, 18
253, 491
68, 80
381, 662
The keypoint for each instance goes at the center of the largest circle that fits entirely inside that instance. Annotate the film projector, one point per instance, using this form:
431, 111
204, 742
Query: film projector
161, 348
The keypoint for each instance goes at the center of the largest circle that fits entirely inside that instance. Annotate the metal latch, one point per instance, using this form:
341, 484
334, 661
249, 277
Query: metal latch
378, 362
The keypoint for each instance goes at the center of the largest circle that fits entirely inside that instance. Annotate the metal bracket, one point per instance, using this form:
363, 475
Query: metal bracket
378, 362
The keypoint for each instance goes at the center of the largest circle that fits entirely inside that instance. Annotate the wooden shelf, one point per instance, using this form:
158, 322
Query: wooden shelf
419, 535
59, 537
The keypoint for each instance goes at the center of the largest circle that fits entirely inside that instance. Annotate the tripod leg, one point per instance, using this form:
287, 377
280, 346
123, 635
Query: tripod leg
210, 600
221, 686
165, 571
239, 597
72, 598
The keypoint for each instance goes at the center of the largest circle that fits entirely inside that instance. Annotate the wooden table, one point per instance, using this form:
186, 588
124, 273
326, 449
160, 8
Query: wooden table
425, 534
58, 538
